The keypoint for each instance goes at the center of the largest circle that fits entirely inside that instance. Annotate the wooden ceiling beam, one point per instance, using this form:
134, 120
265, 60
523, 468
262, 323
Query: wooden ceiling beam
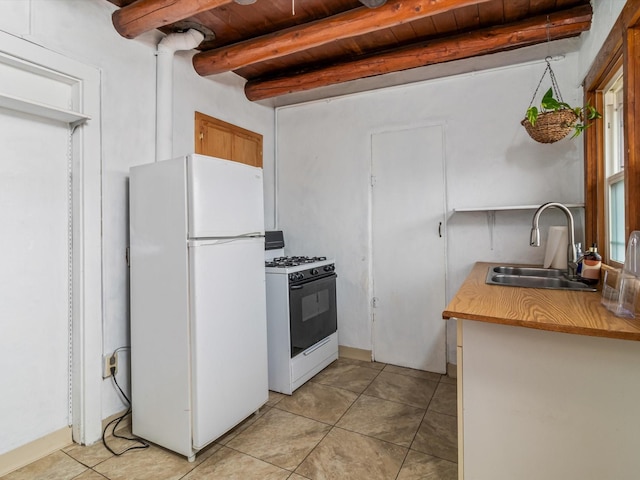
145, 15
352, 23
533, 31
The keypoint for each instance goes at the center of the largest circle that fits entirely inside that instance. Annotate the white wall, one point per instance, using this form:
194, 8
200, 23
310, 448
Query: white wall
323, 169
82, 30
323, 165
604, 16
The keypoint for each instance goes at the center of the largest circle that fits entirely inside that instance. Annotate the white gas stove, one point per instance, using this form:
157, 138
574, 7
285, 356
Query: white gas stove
301, 315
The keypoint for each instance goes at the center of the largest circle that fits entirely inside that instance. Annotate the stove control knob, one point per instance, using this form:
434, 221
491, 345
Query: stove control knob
300, 276
292, 277
314, 271
329, 268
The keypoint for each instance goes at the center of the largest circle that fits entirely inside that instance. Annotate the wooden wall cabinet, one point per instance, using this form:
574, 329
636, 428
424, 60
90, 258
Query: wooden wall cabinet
220, 139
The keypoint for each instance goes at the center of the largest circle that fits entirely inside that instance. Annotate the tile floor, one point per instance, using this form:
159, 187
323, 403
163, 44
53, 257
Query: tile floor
354, 420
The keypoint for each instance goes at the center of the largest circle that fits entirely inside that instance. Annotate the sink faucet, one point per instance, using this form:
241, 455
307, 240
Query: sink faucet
572, 254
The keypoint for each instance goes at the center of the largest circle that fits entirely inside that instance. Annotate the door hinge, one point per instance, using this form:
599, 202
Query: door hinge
127, 256
373, 180
374, 302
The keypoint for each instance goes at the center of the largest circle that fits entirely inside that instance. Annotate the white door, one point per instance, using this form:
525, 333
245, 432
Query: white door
409, 248
34, 207
34, 277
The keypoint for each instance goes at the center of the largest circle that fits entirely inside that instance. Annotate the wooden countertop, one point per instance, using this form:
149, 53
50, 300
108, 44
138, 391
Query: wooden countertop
580, 313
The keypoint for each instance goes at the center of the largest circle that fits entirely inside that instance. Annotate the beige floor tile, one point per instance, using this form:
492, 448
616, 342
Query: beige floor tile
346, 455
206, 452
319, 402
227, 464
438, 436
346, 375
410, 372
274, 398
445, 399
57, 466
413, 391
448, 379
92, 455
361, 363
290, 432
153, 463
390, 421
280, 438
242, 426
420, 466
90, 475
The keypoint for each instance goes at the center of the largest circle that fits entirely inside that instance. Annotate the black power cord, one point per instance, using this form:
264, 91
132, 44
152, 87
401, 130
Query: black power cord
141, 444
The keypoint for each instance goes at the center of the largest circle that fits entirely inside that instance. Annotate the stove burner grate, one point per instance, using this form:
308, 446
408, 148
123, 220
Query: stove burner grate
281, 262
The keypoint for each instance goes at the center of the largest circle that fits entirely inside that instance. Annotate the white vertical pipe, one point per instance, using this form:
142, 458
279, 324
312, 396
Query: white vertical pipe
164, 87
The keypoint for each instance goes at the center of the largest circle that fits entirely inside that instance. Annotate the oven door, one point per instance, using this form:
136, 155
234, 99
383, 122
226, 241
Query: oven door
312, 307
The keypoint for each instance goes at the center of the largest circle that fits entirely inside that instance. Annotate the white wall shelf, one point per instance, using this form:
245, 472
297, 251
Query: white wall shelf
510, 207
491, 213
42, 110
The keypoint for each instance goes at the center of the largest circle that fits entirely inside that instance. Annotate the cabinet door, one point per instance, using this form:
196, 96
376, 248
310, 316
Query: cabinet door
216, 138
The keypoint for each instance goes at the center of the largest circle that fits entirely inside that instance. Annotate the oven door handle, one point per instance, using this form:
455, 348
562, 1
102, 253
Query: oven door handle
333, 276
322, 344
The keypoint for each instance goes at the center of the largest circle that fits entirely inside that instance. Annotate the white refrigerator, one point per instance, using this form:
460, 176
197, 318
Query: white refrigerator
198, 315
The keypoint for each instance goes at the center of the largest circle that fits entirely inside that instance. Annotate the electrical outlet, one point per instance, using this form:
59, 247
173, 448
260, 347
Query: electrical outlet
110, 361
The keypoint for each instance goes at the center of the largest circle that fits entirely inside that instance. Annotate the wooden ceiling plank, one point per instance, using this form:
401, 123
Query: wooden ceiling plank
515, 10
145, 15
491, 13
445, 23
467, 18
349, 24
557, 25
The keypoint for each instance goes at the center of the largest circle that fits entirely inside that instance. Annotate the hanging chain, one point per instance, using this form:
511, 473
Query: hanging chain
554, 83
70, 272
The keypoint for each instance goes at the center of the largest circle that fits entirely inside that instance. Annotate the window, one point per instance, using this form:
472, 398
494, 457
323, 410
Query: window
614, 168
612, 144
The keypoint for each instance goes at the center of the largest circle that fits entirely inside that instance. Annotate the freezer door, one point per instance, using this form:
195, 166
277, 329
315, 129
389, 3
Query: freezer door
225, 198
229, 334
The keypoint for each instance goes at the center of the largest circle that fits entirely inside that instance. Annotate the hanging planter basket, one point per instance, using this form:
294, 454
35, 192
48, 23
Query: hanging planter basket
551, 126
555, 119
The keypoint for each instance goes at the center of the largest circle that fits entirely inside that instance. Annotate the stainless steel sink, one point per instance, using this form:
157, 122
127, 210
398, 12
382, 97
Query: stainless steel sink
534, 277
529, 271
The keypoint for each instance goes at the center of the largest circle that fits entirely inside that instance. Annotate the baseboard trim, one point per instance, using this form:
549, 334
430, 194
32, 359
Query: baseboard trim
35, 450
354, 353
452, 370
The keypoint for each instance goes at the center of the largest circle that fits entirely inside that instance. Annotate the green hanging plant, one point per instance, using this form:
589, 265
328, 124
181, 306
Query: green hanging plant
576, 118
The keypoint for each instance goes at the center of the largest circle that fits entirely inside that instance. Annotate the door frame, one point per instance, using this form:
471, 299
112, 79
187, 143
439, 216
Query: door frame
395, 128
86, 365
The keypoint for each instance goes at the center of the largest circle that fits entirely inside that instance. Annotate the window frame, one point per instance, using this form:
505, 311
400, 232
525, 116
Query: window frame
613, 125
621, 49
